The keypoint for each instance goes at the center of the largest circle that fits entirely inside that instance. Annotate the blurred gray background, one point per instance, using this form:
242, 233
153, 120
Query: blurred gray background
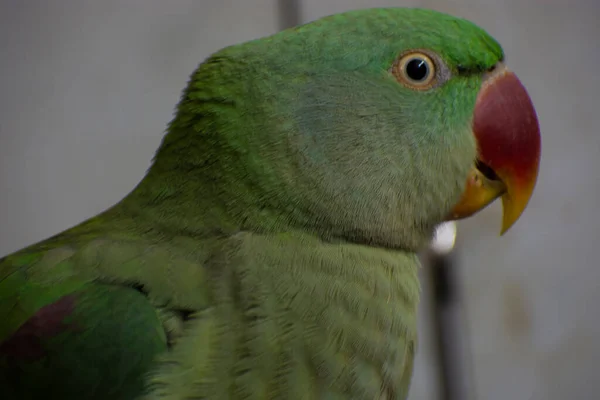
87, 87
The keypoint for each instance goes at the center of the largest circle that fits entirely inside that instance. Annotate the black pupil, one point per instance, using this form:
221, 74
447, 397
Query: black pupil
417, 69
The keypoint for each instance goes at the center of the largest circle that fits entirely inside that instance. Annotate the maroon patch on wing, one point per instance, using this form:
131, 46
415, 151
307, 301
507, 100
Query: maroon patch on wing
27, 342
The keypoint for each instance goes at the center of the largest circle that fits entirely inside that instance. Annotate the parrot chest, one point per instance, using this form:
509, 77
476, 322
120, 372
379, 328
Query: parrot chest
298, 316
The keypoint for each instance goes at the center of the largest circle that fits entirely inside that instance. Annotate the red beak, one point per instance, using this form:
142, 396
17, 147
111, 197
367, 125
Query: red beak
508, 138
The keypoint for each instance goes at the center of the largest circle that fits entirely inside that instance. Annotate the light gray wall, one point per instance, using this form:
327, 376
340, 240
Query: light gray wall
86, 89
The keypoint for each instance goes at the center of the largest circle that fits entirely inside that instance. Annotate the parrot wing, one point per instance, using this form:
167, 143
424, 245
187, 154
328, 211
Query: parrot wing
87, 320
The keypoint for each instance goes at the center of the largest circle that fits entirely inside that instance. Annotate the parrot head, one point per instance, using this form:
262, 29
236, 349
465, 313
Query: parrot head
370, 126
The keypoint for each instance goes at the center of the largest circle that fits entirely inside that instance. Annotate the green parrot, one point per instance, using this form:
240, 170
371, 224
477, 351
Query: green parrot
270, 252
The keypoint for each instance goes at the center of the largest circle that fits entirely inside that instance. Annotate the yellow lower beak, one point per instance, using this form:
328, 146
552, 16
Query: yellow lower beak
480, 191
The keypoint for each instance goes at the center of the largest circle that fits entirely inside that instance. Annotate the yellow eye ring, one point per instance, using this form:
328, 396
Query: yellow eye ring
415, 70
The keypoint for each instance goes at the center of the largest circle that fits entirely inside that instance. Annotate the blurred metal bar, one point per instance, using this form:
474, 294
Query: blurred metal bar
289, 13
449, 331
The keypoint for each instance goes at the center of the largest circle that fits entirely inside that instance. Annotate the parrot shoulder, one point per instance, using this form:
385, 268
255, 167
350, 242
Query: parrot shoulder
74, 307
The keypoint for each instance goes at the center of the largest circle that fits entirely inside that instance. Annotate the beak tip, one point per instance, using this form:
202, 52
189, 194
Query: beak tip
514, 203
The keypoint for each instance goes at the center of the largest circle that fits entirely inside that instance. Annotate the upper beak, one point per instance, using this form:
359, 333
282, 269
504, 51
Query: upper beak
508, 138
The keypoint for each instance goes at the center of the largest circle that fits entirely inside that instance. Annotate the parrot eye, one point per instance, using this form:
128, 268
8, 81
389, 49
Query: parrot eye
415, 70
